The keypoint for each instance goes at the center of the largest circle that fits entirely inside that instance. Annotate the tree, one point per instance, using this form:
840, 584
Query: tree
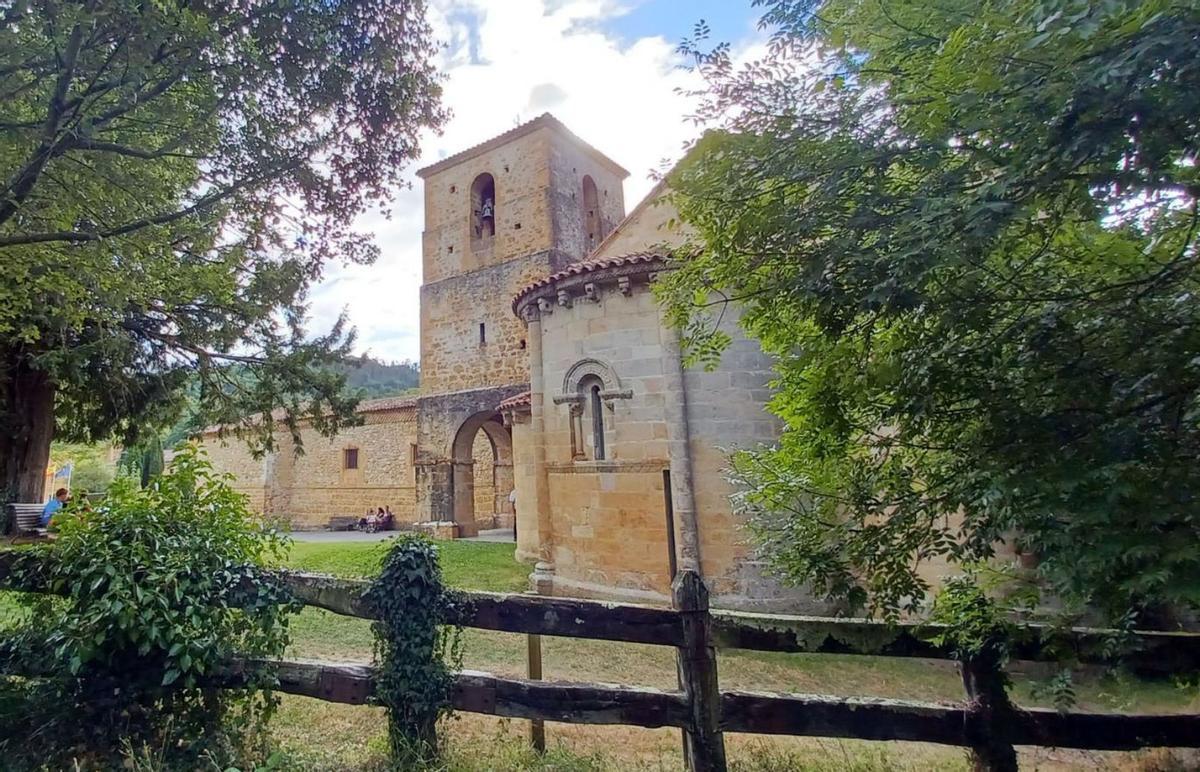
967, 231
173, 178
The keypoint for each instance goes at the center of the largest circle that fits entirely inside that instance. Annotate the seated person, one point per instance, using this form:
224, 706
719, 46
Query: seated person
54, 505
386, 519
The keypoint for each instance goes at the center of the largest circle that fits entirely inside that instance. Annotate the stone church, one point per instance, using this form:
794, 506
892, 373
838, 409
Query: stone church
547, 368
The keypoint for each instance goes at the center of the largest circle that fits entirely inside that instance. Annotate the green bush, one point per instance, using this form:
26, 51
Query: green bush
162, 586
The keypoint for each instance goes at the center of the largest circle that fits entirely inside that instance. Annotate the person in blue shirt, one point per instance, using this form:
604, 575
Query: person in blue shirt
54, 505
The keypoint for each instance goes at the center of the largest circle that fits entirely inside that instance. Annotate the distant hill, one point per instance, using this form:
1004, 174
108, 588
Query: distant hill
375, 378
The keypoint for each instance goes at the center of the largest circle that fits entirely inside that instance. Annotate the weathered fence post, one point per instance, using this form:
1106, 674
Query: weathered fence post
989, 713
704, 744
537, 727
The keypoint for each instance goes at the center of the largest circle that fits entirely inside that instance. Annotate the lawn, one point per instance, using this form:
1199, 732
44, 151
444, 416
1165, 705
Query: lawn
485, 742
472, 565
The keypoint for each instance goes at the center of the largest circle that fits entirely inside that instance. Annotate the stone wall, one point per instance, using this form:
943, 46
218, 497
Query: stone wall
469, 336
442, 420
307, 490
608, 517
521, 171
321, 488
231, 455
569, 165
524, 482
453, 358
645, 228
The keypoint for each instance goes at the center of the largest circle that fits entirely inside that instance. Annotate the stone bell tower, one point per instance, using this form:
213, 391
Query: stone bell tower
498, 216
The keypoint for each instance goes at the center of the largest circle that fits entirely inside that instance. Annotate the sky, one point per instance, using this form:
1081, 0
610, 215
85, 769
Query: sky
606, 68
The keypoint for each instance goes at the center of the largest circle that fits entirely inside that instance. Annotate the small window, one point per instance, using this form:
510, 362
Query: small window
350, 458
597, 407
482, 334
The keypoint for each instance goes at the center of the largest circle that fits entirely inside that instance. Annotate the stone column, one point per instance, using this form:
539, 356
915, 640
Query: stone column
679, 451
462, 486
542, 578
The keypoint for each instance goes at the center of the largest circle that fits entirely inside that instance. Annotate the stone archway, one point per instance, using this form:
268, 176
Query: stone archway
463, 469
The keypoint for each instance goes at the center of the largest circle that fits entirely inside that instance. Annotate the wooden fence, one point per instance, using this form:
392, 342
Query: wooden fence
985, 722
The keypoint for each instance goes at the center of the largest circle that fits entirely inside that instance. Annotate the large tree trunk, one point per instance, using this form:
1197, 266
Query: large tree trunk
26, 427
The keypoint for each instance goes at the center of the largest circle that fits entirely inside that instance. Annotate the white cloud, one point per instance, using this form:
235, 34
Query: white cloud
507, 63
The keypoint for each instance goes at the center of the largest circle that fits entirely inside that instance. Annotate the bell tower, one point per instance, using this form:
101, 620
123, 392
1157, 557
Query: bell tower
499, 215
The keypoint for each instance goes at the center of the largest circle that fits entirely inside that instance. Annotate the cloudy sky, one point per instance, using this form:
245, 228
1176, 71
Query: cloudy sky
606, 68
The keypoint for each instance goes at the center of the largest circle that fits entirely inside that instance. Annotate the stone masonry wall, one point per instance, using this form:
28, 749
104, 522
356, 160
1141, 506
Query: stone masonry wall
452, 356
726, 412
608, 516
645, 228
321, 488
569, 164
521, 172
231, 455
307, 490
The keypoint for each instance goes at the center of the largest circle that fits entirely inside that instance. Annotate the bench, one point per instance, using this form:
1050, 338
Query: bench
343, 523
26, 519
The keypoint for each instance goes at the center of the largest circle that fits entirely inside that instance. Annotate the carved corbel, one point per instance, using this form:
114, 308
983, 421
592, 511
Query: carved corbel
564, 298
545, 306
623, 285
591, 292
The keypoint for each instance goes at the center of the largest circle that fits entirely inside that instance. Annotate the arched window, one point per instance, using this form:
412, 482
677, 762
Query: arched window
483, 208
596, 405
592, 225
591, 389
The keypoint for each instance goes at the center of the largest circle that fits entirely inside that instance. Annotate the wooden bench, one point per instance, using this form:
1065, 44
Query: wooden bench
343, 523
26, 519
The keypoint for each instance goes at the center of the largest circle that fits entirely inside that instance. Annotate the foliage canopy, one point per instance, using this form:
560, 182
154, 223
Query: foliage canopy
173, 178
967, 231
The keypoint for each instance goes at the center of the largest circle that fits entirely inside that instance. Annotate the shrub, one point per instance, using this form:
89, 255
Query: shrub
162, 586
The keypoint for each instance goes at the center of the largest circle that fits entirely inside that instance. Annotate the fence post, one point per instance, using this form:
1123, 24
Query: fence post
533, 664
989, 713
704, 745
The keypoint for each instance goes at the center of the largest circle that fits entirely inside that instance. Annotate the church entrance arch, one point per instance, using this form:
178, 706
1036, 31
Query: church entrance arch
482, 476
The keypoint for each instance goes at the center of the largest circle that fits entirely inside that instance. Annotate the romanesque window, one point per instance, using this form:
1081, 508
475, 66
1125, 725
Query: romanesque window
483, 208
350, 458
591, 211
589, 388
595, 406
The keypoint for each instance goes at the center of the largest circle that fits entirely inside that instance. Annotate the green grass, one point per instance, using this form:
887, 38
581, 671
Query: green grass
467, 565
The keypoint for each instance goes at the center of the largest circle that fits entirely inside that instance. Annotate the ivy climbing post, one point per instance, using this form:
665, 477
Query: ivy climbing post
417, 648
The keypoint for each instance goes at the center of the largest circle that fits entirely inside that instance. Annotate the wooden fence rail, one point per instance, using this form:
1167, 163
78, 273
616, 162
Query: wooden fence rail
699, 708
859, 718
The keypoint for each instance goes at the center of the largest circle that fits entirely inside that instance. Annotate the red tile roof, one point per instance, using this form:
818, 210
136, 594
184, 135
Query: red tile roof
545, 119
384, 404
588, 266
521, 400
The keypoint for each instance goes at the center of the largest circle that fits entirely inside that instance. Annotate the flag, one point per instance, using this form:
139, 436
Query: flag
64, 471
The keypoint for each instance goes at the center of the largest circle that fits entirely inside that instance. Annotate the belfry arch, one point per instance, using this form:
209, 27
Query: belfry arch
496, 474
